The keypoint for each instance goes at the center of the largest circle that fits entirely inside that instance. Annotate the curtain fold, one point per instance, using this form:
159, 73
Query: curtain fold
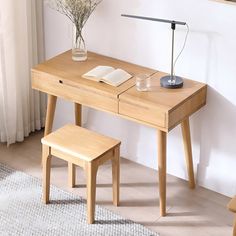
22, 110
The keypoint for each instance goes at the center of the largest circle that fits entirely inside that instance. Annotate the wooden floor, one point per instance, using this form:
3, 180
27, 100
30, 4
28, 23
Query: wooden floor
197, 212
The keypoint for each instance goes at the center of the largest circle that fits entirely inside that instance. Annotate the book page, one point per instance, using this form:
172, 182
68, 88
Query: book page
98, 72
116, 77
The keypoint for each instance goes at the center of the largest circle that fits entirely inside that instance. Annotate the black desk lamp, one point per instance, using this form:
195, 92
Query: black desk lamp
169, 81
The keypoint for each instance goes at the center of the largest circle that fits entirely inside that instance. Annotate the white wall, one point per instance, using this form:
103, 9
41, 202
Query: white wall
209, 57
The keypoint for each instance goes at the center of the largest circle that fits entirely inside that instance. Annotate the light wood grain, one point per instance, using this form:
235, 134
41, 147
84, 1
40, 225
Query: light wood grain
62, 77
71, 166
187, 108
161, 136
116, 176
78, 114
142, 112
91, 173
86, 149
51, 105
161, 107
188, 151
71, 174
67, 157
50, 84
79, 142
46, 160
70, 72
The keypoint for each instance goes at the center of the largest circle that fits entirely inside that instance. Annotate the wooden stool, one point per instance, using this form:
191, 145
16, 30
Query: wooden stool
232, 207
86, 149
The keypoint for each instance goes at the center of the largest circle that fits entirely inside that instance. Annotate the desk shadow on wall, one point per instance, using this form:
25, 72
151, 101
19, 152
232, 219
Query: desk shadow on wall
217, 163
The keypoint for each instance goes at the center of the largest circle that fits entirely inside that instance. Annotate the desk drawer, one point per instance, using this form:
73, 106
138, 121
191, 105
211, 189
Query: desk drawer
55, 86
142, 113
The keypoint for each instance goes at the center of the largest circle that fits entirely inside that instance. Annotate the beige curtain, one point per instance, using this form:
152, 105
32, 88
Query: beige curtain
22, 110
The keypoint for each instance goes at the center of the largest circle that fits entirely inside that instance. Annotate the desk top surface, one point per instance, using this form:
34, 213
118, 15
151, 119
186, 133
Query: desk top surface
162, 108
63, 67
167, 99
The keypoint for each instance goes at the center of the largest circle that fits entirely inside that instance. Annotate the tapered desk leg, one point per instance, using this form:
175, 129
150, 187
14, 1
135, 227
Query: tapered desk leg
188, 151
162, 170
78, 114
52, 100
72, 167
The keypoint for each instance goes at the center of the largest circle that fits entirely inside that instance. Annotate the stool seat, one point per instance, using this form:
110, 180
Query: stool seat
87, 149
80, 142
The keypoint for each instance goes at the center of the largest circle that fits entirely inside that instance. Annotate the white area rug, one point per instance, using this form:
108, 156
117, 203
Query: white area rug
23, 213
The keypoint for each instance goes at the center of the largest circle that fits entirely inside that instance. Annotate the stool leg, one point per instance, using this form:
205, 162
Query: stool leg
46, 159
71, 174
91, 172
116, 176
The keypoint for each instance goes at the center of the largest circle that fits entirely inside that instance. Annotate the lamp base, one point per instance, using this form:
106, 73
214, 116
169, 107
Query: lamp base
166, 82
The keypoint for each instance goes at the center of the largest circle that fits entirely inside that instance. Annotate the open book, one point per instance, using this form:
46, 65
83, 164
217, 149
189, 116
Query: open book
108, 74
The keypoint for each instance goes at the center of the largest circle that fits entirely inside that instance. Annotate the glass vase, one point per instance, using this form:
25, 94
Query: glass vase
79, 51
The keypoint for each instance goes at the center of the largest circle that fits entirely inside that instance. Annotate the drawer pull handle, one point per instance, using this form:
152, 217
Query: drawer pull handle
60, 81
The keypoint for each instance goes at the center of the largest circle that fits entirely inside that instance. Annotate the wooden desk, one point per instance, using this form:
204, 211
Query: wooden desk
162, 109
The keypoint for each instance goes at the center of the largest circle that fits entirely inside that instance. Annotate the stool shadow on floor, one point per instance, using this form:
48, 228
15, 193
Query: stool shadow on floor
109, 185
68, 202
134, 203
114, 222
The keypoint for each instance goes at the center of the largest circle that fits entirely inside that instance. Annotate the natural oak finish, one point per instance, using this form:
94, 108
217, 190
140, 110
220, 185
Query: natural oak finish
71, 174
162, 170
232, 207
188, 151
116, 176
62, 77
163, 108
86, 149
78, 114
51, 105
91, 174
71, 166
46, 159
80, 142
160, 108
